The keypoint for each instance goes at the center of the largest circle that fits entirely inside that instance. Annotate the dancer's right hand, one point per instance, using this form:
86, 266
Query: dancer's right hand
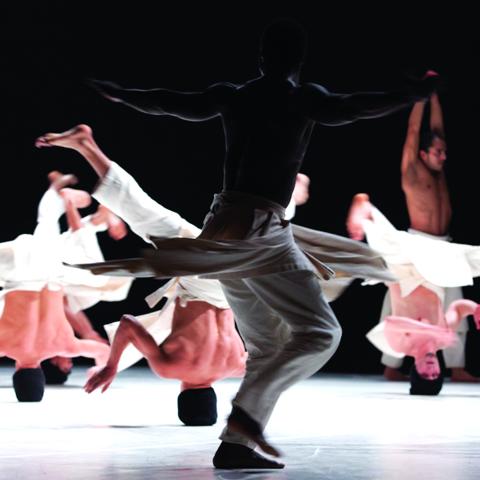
101, 378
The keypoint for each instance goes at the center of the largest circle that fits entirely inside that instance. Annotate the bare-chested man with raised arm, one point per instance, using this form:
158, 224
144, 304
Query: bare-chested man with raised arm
429, 208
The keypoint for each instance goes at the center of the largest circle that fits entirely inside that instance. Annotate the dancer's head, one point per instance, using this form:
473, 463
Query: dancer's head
29, 384
282, 48
54, 375
428, 366
426, 376
433, 150
198, 406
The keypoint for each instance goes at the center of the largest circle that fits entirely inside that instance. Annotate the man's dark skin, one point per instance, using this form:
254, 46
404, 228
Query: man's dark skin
268, 123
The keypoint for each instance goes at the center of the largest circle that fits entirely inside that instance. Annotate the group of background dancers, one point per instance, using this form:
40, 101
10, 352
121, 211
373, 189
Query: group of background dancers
248, 293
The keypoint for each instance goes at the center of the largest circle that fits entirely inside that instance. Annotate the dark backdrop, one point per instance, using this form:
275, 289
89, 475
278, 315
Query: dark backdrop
48, 49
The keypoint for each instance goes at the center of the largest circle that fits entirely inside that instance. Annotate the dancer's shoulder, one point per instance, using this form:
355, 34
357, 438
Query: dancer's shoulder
311, 88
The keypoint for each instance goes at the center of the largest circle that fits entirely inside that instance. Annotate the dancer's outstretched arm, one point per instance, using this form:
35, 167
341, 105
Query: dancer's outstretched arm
129, 331
460, 309
193, 106
337, 109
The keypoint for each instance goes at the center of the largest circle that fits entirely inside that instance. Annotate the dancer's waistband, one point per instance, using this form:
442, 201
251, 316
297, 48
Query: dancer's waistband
246, 200
446, 238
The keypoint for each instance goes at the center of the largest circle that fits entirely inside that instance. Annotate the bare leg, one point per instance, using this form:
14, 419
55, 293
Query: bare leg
80, 139
360, 210
129, 331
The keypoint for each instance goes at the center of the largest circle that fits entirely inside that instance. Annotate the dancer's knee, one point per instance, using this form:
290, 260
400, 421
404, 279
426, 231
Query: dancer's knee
326, 339
336, 335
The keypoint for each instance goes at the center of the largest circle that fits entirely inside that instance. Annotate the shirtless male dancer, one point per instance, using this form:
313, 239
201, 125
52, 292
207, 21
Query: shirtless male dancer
57, 369
421, 339
429, 209
33, 325
193, 336
421, 314
289, 330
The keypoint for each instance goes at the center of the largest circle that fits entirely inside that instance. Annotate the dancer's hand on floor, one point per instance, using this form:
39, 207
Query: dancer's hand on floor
100, 377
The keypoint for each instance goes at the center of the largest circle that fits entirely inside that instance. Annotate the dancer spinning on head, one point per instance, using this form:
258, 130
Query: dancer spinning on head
193, 337
425, 267
197, 340
33, 324
429, 208
80, 242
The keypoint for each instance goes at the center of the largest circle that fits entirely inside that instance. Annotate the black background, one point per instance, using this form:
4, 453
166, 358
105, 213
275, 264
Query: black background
49, 49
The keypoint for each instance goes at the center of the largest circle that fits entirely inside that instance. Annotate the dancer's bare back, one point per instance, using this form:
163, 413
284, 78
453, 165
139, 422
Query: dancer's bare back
33, 327
422, 303
203, 346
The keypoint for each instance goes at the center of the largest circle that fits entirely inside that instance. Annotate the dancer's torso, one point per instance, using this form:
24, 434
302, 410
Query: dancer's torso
33, 326
204, 345
266, 138
428, 200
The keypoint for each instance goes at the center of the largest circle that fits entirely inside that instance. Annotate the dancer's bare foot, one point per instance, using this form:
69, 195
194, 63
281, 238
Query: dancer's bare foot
59, 180
461, 375
74, 138
360, 209
241, 422
394, 375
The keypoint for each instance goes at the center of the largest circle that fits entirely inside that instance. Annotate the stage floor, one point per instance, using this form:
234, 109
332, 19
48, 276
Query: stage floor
329, 427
